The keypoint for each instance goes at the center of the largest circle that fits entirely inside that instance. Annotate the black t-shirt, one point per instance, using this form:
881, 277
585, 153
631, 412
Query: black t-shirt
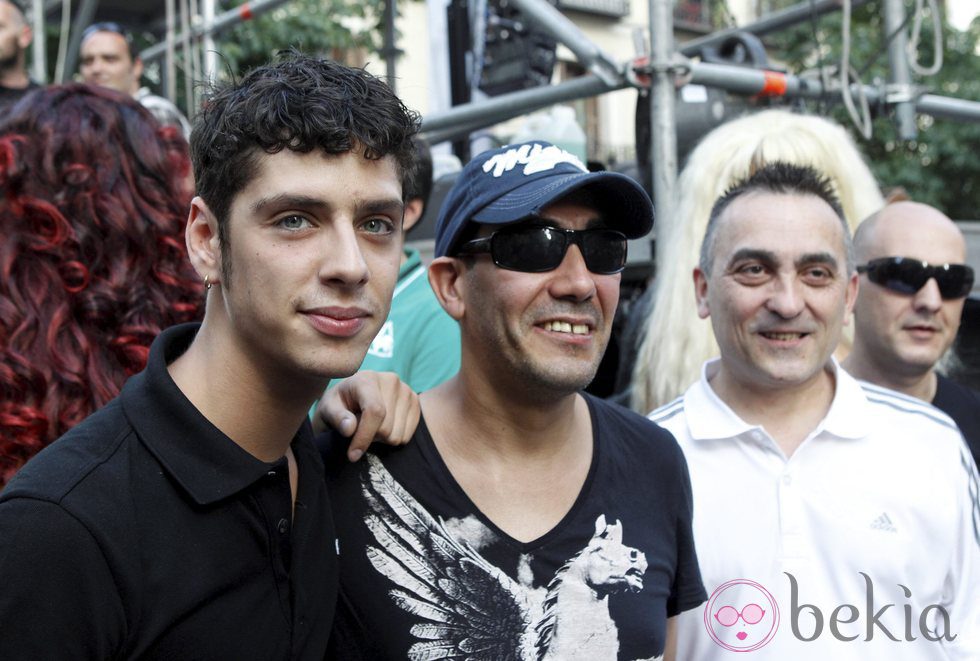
11, 95
423, 572
963, 405
145, 532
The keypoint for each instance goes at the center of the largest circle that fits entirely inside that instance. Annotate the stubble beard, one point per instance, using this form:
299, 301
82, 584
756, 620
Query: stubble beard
11, 63
545, 380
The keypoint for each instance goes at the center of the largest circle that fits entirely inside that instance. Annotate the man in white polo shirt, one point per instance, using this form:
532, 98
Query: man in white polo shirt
833, 519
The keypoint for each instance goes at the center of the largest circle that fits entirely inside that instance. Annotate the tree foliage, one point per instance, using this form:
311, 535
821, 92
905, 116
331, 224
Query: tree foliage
942, 166
336, 28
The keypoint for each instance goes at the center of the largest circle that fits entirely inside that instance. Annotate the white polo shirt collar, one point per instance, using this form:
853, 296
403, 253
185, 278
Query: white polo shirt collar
849, 415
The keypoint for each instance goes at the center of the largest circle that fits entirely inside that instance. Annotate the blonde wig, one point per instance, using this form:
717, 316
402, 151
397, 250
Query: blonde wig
675, 342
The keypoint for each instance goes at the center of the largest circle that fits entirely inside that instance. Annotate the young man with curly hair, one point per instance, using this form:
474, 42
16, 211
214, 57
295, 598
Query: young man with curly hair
189, 517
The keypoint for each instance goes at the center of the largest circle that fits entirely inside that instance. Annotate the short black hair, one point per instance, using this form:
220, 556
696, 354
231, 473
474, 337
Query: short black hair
300, 103
782, 178
419, 184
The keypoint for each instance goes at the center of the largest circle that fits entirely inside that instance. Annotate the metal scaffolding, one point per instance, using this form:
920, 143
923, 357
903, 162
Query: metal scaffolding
661, 71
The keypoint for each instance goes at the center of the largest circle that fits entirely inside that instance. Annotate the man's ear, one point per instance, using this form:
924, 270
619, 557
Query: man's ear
137, 72
25, 37
203, 246
701, 292
445, 278
413, 213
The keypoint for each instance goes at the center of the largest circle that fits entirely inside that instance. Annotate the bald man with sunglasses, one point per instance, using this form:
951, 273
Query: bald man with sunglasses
527, 520
909, 306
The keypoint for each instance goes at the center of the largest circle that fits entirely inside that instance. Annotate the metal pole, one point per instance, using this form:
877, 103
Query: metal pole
663, 129
559, 26
185, 48
460, 41
39, 52
197, 68
468, 117
487, 112
168, 45
900, 79
225, 21
84, 17
210, 51
948, 108
390, 50
770, 23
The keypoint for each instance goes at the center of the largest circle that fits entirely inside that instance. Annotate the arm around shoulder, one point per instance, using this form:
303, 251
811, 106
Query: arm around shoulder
59, 599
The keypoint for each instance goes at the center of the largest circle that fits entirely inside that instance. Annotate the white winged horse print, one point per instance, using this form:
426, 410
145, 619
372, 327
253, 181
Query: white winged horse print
470, 609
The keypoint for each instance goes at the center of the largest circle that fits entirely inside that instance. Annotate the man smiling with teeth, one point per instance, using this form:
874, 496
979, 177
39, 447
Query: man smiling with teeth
526, 519
823, 490
563, 327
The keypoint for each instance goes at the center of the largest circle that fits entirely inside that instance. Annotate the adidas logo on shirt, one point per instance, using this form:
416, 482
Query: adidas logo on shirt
883, 523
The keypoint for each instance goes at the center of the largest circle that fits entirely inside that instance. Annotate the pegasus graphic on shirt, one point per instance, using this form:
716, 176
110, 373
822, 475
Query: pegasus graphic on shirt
469, 608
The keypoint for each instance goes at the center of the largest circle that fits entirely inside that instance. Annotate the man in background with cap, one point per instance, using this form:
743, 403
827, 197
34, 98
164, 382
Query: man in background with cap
15, 37
109, 58
526, 519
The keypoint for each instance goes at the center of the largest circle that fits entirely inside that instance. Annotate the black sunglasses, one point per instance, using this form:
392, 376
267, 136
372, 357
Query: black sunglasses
109, 26
537, 249
907, 276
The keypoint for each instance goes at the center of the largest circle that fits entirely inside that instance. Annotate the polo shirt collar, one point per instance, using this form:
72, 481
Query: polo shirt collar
205, 462
850, 413
714, 419
413, 261
848, 416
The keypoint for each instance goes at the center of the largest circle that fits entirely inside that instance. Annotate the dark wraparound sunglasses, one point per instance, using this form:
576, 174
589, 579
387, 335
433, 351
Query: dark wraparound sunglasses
107, 26
540, 249
907, 276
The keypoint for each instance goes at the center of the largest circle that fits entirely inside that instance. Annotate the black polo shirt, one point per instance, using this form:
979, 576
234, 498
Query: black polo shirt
146, 532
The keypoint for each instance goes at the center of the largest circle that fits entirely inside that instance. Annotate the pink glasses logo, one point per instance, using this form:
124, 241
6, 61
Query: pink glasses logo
741, 616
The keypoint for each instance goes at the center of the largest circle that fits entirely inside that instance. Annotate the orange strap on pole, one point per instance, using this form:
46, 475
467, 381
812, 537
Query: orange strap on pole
774, 85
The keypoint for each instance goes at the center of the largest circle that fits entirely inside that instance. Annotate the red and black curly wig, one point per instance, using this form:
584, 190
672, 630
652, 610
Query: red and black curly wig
92, 259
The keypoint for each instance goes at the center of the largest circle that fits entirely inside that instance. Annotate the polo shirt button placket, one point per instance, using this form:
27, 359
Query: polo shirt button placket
791, 517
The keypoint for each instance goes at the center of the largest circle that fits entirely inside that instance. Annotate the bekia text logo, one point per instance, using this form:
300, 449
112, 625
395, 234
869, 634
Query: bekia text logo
741, 616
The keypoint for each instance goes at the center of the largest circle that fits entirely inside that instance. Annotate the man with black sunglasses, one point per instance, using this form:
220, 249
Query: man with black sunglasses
526, 520
847, 514
909, 306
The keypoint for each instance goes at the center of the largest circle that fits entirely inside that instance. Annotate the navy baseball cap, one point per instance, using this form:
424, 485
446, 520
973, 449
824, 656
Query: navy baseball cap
509, 184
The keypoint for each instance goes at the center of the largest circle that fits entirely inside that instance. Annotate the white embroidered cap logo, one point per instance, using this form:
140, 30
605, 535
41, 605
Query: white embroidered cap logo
534, 158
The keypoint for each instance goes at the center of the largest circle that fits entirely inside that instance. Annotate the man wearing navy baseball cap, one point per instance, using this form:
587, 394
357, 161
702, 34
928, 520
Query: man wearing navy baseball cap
527, 519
